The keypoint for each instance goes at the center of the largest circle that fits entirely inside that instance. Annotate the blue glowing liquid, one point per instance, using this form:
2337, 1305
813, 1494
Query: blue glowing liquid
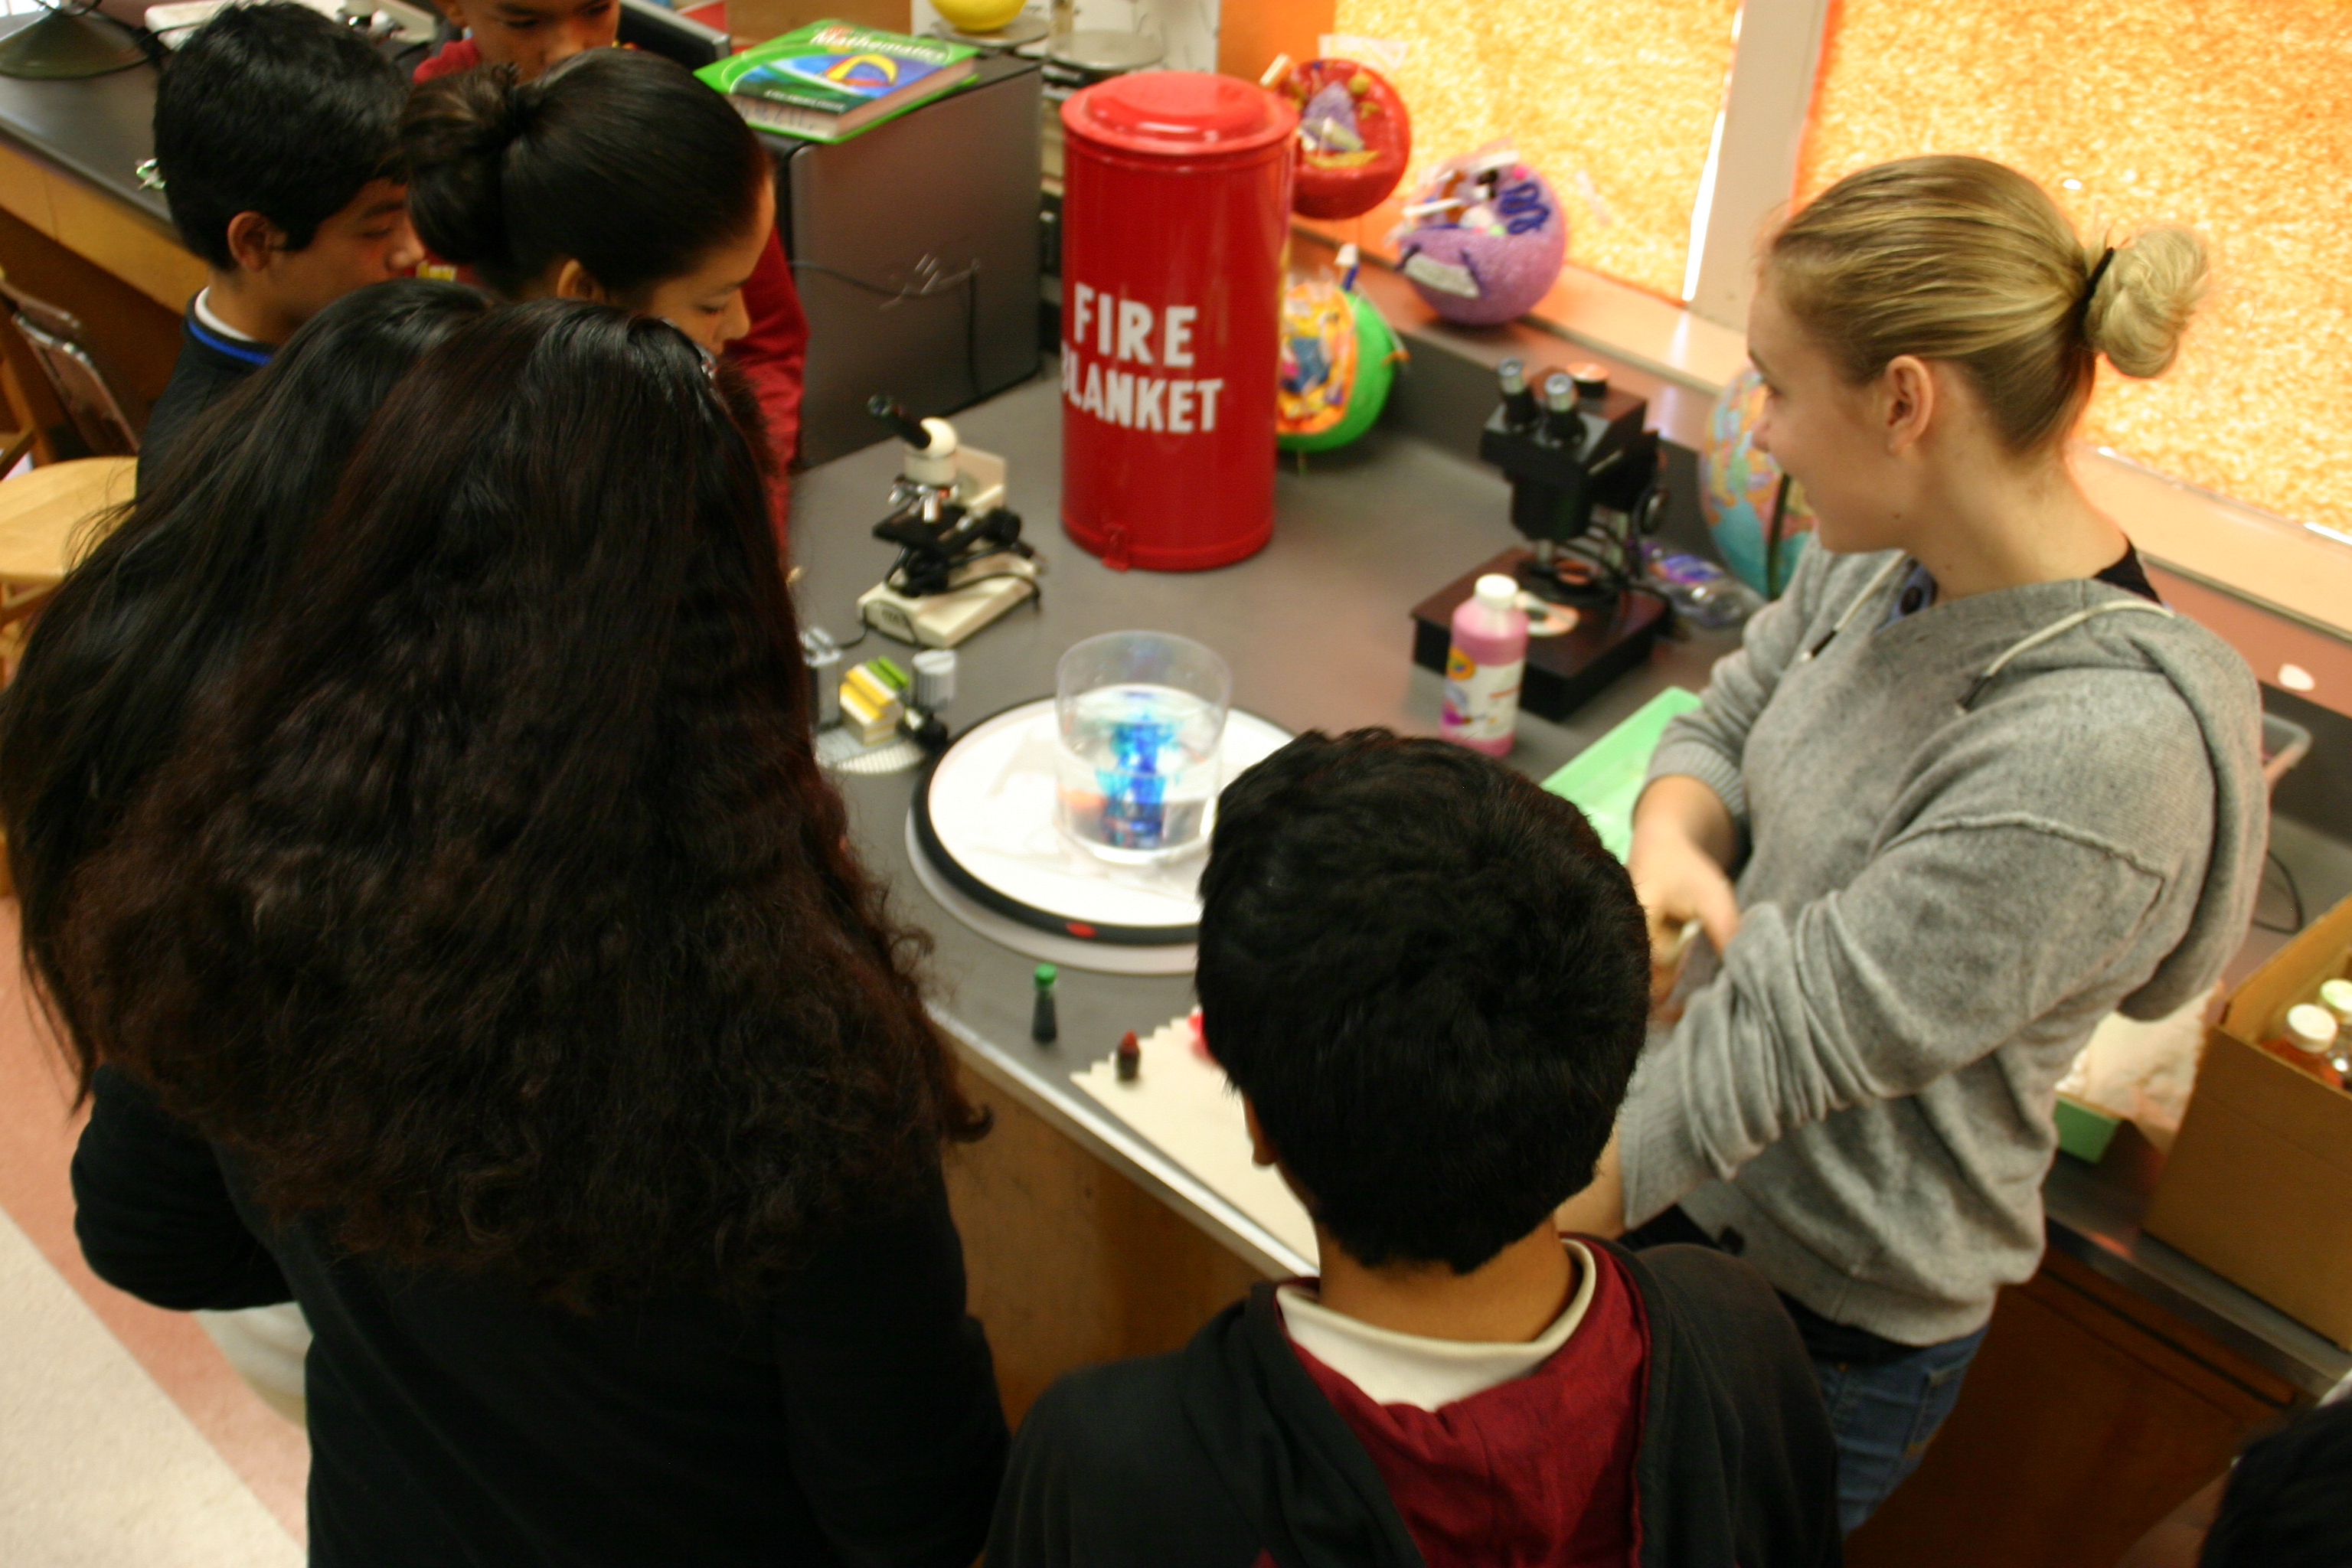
1136, 770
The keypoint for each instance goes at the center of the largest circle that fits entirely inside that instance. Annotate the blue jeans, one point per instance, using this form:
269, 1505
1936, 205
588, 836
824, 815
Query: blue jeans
1884, 1414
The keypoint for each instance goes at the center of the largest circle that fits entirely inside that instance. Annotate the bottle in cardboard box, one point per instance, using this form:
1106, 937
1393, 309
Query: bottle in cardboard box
2306, 1042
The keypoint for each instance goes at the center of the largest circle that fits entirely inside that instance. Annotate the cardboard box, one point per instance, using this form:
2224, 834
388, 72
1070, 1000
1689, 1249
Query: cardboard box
2259, 1186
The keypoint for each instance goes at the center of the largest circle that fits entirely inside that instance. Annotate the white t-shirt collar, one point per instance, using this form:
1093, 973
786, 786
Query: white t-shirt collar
201, 307
1393, 1368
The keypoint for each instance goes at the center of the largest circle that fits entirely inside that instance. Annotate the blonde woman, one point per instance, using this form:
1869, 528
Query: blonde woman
1967, 788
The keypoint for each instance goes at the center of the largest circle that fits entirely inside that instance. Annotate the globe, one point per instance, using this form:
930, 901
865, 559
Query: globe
1737, 486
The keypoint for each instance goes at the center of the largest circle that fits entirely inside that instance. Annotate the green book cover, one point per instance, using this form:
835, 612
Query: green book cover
1604, 779
829, 80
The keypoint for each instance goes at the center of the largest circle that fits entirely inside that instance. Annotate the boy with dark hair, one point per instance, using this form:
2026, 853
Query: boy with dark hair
276, 139
1429, 982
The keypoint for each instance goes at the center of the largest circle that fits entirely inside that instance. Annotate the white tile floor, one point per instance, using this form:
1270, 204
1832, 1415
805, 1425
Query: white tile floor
125, 1439
98, 1468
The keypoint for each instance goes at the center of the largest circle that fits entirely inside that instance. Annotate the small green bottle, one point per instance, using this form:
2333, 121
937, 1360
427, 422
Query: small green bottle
1044, 1027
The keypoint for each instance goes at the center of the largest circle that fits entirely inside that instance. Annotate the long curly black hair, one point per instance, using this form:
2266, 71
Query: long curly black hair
160, 608
497, 913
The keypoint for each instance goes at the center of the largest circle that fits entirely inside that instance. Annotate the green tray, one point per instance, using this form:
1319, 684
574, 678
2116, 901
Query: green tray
1605, 779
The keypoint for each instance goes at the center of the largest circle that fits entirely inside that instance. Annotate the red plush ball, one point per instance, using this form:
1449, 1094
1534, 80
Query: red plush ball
1354, 138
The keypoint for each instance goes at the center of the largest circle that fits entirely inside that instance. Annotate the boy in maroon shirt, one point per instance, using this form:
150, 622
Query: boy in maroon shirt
1429, 982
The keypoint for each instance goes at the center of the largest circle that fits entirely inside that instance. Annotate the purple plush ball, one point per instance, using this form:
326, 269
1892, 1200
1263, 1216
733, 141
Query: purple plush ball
1484, 250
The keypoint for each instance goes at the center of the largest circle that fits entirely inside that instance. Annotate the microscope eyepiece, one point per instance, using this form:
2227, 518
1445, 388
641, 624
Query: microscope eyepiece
1561, 421
1520, 410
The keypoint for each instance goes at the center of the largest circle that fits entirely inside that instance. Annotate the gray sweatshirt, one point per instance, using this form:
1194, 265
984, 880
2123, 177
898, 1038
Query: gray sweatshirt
1970, 833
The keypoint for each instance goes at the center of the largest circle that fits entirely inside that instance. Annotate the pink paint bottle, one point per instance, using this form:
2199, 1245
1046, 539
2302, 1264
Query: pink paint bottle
1484, 668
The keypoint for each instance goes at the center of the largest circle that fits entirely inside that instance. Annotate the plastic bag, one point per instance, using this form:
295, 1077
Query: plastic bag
2143, 1072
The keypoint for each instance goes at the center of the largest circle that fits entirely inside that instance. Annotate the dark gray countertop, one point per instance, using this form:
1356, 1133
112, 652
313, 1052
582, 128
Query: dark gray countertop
100, 128
1316, 630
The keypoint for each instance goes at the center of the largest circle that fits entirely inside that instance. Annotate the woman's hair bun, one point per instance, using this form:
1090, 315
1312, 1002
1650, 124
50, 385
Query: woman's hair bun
454, 138
2144, 300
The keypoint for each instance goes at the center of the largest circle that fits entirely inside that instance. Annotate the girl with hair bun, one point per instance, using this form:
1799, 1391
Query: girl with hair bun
615, 177
485, 969
1966, 789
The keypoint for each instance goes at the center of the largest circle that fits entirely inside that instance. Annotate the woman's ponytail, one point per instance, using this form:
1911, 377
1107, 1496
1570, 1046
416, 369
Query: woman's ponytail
617, 160
1963, 260
456, 135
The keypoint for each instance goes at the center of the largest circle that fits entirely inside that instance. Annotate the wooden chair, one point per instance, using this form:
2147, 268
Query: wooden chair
49, 517
81, 407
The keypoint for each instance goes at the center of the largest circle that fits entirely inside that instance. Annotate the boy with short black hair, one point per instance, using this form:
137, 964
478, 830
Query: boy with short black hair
1429, 982
276, 139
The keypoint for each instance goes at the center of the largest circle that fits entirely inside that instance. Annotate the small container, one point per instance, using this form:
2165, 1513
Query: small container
1484, 669
2306, 1043
935, 679
1045, 1023
2336, 995
823, 655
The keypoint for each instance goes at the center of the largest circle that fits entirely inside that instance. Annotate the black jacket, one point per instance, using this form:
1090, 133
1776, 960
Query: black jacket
1227, 1448
854, 1420
209, 368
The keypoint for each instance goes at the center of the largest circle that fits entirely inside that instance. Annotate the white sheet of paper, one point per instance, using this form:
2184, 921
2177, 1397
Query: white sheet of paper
1184, 1104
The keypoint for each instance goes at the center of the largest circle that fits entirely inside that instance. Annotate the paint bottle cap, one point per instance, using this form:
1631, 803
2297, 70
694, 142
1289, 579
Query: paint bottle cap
2310, 1029
2336, 995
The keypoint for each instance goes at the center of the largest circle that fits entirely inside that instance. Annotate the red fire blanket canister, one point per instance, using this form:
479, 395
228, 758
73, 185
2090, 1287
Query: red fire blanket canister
1175, 208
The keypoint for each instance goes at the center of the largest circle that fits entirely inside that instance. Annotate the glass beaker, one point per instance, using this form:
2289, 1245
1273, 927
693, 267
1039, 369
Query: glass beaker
1141, 718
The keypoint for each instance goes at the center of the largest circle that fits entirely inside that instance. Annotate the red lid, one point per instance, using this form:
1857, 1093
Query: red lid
1178, 114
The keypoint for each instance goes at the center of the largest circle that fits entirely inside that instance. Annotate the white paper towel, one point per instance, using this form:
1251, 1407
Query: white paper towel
1183, 1102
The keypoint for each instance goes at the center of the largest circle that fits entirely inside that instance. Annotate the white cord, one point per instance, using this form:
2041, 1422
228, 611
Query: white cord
1854, 608
2062, 624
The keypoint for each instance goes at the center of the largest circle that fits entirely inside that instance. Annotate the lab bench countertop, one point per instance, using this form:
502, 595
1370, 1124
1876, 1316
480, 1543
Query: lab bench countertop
100, 128
1316, 628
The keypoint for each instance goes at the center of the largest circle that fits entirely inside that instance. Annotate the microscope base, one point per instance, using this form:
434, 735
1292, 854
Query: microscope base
1564, 672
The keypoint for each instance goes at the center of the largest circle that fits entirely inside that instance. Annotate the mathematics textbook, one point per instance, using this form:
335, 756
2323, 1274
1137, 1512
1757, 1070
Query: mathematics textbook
829, 80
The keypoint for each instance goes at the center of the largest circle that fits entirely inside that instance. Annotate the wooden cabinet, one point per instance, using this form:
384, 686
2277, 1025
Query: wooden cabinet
2088, 1415
1070, 1263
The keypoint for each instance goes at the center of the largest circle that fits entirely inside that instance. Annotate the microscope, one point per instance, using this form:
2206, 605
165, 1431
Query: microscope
1585, 489
961, 560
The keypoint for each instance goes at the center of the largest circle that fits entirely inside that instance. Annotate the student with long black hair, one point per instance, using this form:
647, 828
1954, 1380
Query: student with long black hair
161, 607
618, 178
486, 969
156, 614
